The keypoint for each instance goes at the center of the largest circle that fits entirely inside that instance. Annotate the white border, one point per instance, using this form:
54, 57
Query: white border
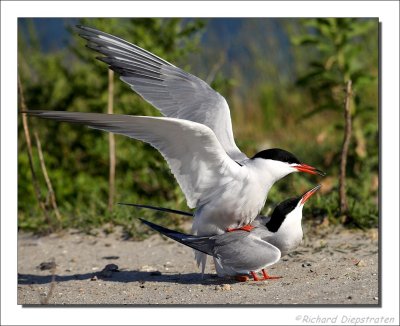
387, 11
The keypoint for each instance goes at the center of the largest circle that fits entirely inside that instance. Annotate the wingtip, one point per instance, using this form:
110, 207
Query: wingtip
147, 222
86, 37
79, 28
87, 32
103, 59
31, 112
82, 27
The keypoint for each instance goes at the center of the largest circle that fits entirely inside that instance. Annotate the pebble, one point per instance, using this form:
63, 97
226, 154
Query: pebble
376, 298
306, 264
110, 257
47, 265
108, 270
223, 287
94, 278
361, 263
111, 267
147, 268
156, 273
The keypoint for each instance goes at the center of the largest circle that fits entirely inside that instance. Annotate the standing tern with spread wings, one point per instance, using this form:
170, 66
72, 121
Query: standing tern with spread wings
226, 188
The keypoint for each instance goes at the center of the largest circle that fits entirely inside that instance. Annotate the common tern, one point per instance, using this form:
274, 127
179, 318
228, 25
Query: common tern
243, 253
226, 188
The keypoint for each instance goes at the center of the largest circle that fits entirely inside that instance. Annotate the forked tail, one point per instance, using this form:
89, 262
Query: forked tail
205, 244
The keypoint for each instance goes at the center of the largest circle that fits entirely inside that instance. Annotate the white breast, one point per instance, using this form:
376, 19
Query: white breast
238, 204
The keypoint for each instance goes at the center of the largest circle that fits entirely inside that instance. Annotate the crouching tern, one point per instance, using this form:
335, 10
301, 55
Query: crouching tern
242, 253
226, 188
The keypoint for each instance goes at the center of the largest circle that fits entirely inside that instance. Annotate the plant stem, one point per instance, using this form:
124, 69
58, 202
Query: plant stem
111, 141
30, 155
345, 149
46, 177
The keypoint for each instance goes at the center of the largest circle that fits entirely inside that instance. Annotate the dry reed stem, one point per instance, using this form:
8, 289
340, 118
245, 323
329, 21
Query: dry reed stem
111, 141
46, 177
345, 149
30, 155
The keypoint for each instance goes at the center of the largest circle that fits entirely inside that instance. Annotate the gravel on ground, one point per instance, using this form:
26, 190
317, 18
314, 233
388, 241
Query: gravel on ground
332, 266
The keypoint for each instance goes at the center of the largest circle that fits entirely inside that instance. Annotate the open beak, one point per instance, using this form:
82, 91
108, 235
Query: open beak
309, 193
309, 169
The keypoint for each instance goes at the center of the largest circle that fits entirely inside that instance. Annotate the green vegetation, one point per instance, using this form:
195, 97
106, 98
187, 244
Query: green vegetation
341, 54
302, 113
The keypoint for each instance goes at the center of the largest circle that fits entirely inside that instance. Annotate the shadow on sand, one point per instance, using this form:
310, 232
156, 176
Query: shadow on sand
127, 276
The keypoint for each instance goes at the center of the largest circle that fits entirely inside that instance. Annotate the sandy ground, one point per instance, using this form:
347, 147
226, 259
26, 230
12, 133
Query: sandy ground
333, 266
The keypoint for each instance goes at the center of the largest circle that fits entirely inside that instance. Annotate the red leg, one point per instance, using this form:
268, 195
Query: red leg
255, 277
247, 228
268, 277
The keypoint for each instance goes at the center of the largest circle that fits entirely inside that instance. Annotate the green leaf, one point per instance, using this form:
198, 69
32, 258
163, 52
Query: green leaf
305, 40
317, 110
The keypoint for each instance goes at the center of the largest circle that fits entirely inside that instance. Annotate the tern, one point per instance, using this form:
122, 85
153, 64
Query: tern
226, 188
242, 253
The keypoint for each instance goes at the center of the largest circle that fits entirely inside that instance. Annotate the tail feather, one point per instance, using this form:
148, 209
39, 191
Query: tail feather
201, 260
203, 244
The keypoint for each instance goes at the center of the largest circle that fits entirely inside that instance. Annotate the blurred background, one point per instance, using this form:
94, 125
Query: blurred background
285, 80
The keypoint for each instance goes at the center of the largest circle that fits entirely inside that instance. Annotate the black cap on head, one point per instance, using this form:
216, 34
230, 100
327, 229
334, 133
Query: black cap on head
280, 212
277, 154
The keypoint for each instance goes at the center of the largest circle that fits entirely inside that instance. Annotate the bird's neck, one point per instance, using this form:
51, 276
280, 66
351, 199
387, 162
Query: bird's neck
287, 233
267, 172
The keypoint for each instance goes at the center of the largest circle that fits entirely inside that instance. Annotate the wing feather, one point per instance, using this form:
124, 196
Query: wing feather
185, 96
195, 156
243, 251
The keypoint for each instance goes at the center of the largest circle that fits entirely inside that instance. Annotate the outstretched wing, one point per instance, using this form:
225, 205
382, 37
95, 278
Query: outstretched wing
196, 158
176, 93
